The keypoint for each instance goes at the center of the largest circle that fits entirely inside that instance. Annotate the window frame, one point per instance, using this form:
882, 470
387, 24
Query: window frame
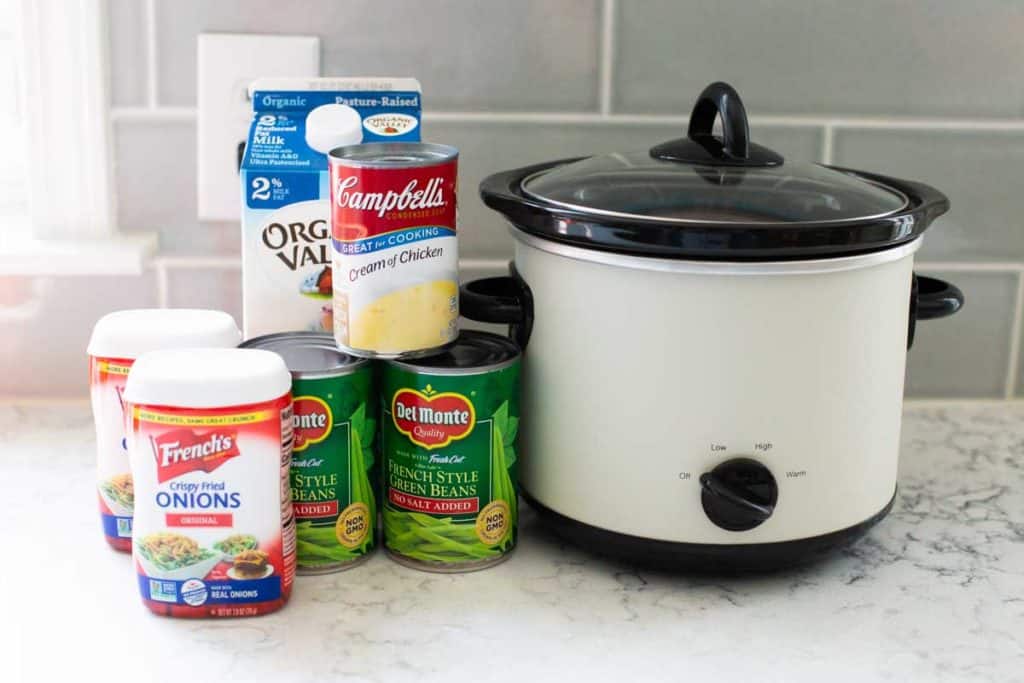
71, 226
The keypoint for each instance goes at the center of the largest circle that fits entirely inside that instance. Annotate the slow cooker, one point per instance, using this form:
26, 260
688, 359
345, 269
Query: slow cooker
715, 342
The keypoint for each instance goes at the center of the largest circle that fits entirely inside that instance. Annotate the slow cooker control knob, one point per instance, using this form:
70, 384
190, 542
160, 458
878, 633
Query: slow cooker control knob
738, 494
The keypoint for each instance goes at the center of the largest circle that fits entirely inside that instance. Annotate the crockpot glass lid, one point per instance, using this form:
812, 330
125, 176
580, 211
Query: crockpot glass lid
708, 178
712, 195
638, 185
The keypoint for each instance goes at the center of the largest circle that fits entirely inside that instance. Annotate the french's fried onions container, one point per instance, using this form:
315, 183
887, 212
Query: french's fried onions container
210, 444
117, 340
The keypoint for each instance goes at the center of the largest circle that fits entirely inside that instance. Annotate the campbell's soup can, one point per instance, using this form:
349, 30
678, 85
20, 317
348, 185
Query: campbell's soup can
394, 248
210, 444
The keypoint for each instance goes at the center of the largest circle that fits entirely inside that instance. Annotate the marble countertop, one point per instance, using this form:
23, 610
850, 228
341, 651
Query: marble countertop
935, 593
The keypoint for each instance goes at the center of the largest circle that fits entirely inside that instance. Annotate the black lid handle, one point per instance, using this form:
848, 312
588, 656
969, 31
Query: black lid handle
701, 146
721, 99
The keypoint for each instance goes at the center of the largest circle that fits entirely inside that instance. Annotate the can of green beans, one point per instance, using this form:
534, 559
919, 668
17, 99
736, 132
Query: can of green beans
448, 433
333, 478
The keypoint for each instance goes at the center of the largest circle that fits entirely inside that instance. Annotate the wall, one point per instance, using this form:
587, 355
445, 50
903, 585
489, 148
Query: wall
927, 90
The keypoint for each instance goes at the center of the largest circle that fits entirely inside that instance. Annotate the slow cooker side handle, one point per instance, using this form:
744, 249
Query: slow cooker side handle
931, 298
502, 300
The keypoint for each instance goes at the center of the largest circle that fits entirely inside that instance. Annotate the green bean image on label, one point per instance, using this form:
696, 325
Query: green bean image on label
332, 490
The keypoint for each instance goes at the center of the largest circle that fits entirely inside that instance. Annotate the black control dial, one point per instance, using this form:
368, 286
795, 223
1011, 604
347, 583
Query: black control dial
739, 494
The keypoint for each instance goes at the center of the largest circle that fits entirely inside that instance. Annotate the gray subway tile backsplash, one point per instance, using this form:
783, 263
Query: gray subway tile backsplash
827, 57
206, 287
824, 61
1019, 384
528, 55
980, 172
155, 171
127, 31
55, 336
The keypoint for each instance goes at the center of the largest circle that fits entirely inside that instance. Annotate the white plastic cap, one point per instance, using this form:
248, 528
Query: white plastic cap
131, 333
207, 378
333, 125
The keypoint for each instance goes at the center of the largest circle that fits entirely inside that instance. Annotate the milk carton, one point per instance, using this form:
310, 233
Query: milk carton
286, 231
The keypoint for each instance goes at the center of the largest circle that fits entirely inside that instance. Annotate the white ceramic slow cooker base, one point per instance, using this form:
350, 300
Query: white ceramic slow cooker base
641, 374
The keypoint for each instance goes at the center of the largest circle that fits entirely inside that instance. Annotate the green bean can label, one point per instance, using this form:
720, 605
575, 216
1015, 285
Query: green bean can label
331, 475
449, 460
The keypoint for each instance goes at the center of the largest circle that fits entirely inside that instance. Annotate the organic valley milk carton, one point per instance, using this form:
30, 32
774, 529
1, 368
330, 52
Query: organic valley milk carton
286, 230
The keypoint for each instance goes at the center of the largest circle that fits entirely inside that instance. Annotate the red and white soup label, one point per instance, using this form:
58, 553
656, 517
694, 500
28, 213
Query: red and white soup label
214, 533
395, 257
114, 486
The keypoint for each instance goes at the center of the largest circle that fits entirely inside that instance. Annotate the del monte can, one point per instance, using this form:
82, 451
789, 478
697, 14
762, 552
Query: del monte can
334, 422
448, 431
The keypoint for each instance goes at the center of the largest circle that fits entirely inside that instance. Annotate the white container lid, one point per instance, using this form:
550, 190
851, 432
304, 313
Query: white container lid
131, 333
207, 378
333, 125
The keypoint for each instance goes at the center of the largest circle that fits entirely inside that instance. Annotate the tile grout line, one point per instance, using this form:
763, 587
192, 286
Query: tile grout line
917, 123
162, 264
484, 263
235, 262
911, 402
157, 115
972, 267
196, 262
828, 137
780, 120
165, 113
607, 57
162, 293
1015, 333
151, 85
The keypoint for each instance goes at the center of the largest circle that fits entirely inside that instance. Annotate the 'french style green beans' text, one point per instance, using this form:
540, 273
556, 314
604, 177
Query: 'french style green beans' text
331, 475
